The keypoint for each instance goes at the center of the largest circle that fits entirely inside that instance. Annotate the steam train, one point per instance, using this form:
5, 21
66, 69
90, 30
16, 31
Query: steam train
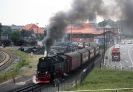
6, 42
51, 68
20, 42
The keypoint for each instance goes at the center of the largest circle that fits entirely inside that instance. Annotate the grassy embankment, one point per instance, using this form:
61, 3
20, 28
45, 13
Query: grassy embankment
25, 60
106, 79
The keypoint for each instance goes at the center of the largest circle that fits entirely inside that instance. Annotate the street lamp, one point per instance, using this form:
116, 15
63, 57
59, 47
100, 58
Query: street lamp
103, 49
71, 35
104, 41
71, 31
37, 29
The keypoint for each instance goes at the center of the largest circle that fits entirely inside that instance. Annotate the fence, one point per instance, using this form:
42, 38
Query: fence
128, 68
86, 71
108, 90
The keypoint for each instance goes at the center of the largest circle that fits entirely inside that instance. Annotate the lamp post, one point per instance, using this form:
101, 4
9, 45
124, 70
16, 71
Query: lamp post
37, 32
71, 35
103, 49
104, 41
71, 31
37, 29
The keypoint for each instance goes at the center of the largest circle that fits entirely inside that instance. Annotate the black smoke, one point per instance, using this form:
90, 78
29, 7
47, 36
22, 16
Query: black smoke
125, 12
81, 11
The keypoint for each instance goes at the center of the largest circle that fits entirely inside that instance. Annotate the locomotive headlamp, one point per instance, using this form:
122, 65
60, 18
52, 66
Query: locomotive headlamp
46, 72
43, 58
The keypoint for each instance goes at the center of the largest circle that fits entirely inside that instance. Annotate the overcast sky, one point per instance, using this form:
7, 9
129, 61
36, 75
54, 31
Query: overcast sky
22, 12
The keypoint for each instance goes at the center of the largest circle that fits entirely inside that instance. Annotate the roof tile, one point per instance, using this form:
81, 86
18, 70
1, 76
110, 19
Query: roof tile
35, 28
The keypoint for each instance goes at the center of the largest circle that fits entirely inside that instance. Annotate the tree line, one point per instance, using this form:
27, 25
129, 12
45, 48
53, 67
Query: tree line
15, 35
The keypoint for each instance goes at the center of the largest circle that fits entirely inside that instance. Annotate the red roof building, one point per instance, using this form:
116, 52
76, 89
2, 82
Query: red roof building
87, 32
81, 32
84, 29
34, 28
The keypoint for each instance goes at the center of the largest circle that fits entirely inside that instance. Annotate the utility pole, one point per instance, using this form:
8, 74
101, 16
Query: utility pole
37, 29
71, 31
104, 41
103, 50
71, 35
107, 32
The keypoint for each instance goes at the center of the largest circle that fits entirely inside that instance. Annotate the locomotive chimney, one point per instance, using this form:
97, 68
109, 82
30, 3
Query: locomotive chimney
45, 53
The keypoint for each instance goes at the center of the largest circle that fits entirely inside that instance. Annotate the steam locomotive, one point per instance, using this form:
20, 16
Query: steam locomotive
6, 42
20, 42
51, 68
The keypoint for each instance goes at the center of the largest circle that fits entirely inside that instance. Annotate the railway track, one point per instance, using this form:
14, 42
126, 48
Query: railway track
27, 88
6, 58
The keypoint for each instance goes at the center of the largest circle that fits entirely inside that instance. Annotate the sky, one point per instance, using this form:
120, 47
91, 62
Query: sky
22, 12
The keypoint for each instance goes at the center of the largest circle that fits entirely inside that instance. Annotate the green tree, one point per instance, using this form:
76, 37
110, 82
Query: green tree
6, 30
103, 23
0, 32
109, 22
25, 33
0, 27
45, 32
41, 36
15, 36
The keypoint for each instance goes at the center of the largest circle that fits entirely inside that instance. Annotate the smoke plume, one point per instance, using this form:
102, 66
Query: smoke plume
81, 11
125, 8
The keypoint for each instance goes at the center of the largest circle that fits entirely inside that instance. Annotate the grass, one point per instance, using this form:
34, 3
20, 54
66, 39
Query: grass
106, 79
26, 60
14, 71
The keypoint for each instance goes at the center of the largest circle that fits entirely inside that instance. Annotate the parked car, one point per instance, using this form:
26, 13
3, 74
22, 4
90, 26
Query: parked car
129, 42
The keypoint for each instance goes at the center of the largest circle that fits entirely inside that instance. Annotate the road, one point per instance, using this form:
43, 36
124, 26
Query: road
126, 61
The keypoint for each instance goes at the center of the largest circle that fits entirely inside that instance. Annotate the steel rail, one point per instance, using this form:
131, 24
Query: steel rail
6, 59
28, 88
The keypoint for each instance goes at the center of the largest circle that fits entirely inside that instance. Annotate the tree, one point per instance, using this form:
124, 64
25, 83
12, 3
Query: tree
41, 36
6, 30
45, 32
15, 36
109, 22
0, 27
103, 23
0, 32
25, 33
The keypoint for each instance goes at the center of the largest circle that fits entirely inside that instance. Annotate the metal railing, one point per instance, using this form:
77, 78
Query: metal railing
108, 90
128, 68
86, 71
